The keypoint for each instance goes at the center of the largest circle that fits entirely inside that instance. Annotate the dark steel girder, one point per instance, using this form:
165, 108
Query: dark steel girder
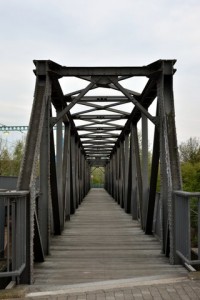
98, 142
119, 99
90, 117
97, 149
92, 143
100, 129
59, 71
102, 153
104, 71
106, 139
96, 136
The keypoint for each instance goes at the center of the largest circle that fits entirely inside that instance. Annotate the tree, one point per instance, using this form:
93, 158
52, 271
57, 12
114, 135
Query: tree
190, 150
10, 160
191, 176
5, 162
190, 164
17, 157
97, 176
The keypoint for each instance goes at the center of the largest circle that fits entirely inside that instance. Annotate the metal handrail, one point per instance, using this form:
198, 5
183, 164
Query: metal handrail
183, 212
13, 210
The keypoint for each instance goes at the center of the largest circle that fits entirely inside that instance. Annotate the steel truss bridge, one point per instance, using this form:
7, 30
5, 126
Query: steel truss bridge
106, 136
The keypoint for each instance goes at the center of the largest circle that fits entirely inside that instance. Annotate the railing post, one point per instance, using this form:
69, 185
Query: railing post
2, 224
27, 275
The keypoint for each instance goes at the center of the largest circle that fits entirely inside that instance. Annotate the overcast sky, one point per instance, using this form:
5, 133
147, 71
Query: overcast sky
106, 32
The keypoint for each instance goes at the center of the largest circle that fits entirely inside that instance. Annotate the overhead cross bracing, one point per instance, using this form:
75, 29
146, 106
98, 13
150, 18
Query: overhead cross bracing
100, 130
103, 115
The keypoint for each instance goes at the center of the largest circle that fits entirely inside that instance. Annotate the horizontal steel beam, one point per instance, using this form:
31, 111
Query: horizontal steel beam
148, 70
98, 147
98, 150
96, 128
90, 117
103, 71
97, 153
98, 143
120, 99
114, 136
97, 159
98, 139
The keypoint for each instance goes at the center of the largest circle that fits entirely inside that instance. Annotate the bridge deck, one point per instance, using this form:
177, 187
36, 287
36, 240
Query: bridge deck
102, 242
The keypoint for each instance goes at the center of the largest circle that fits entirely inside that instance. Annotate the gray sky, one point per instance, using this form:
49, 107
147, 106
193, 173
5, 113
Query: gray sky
106, 32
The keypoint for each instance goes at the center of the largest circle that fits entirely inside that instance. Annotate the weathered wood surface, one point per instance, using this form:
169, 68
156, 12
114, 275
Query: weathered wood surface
102, 242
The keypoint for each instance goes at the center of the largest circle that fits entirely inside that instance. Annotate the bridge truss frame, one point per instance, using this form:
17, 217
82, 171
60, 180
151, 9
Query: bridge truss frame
65, 172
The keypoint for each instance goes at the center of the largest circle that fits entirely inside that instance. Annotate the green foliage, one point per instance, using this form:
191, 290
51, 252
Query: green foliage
190, 151
5, 162
97, 176
17, 157
190, 164
191, 176
10, 162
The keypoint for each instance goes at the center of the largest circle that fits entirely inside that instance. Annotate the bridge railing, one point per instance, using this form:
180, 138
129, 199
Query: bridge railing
13, 226
187, 226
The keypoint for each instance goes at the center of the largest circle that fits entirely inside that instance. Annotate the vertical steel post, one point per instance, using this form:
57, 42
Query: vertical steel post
170, 166
43, 205
80, 176
27, 175
134, 190
117, 174
66, 173
108, 177
109, 169
111, 175
77, 175
139, 173
2, 224
59, 164
126, 171
145, 185
84, 188
121, 174
85, 178
114, 176
153, 180
54, 187
73, 173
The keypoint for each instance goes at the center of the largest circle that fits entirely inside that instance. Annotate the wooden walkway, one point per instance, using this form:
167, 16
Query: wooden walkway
102, 242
